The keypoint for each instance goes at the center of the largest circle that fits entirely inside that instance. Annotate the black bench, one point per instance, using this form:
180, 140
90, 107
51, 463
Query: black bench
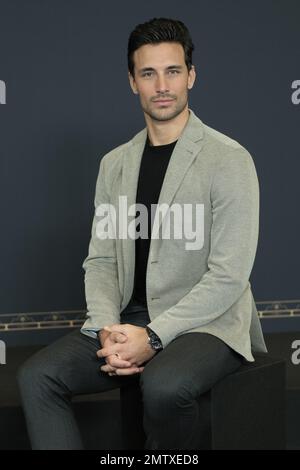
245, 410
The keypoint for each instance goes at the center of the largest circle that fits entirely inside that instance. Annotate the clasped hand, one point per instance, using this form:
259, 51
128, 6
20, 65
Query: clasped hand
125, 349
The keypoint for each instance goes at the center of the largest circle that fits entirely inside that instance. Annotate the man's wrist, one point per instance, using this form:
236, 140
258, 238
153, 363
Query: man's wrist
154, 340
102, 335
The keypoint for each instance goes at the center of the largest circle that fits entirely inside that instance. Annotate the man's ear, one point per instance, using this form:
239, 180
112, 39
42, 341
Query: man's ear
192, 77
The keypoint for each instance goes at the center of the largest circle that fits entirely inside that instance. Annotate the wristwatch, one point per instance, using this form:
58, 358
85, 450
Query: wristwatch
154, 340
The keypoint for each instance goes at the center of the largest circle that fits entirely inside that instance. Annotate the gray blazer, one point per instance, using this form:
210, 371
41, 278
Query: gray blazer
204, 290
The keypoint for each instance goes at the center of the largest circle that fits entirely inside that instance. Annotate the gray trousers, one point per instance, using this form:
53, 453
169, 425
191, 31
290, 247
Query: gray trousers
170, 383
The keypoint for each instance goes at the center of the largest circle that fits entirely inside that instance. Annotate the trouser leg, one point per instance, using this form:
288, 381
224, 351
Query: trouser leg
50, 378
172, 382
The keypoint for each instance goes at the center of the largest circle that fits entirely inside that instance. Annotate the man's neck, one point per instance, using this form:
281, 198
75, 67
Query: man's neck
166, 132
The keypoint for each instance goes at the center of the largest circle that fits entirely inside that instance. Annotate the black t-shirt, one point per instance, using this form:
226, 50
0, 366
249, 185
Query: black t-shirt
154, 163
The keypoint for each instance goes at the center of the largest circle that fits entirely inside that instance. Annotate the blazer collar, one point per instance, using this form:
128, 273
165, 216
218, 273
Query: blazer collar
192, 132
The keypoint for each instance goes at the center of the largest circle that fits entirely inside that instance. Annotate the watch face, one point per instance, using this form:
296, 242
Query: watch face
156, 345
154, 341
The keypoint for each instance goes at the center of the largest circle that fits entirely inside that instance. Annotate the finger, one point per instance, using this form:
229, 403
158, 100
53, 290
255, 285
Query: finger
118, 363
118, 328
107, 368
128, 371
118, 337
99, 353
105, 352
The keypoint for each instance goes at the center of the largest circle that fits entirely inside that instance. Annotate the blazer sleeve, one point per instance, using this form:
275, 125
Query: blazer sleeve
101, 275
233, 244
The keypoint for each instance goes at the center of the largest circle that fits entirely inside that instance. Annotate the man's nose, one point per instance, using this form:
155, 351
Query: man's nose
162, 85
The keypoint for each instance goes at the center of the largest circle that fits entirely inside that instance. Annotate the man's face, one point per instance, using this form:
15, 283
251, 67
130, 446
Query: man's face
161, 73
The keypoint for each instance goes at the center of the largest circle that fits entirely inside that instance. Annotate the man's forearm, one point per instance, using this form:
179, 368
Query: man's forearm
102, 292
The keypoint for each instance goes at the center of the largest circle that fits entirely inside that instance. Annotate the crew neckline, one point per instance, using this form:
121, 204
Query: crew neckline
158, 147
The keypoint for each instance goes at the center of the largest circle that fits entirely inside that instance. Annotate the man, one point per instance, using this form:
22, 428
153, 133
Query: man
173, 314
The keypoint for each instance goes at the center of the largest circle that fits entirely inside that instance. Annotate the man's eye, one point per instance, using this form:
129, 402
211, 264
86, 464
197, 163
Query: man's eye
147, 74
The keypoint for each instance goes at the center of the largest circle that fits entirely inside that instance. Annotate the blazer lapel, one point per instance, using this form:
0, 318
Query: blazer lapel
182, 157
130, 174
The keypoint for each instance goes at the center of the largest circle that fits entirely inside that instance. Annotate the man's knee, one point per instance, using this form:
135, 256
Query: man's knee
160, 393
33, 377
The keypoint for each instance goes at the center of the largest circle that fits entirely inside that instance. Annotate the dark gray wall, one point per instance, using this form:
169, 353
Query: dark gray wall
68, 102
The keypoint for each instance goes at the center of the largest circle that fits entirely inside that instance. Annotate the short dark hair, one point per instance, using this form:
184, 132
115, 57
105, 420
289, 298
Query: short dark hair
159, 30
